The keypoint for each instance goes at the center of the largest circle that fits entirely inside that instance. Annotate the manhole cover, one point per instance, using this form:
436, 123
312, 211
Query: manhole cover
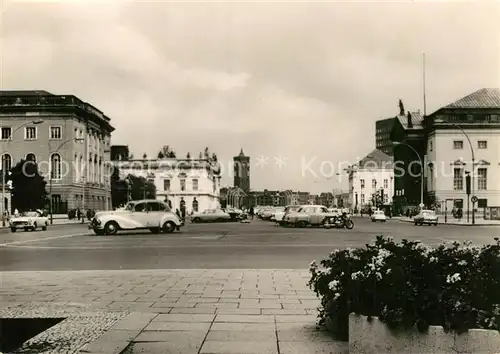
15, 331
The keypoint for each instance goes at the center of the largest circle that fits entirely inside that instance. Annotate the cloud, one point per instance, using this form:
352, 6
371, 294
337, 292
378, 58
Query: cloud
301, 80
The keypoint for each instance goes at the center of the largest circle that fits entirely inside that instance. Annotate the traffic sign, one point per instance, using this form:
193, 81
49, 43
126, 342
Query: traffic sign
474, 199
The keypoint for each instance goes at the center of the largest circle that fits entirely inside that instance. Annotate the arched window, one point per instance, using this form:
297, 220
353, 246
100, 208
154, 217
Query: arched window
55, 166
6, 162
31, 157
195, 205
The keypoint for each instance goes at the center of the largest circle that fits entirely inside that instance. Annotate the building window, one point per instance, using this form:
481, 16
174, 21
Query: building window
482, 203
386, 183
195, 205
362, 181
430, 145
362, 199
56, 133
6, 133
166, 184
6, 162
374, 183
458, 179
458, 144
482, 176
55, 166
386, 198
183, 185
195, 184
31, 157
30, 133
459, 203
482, 144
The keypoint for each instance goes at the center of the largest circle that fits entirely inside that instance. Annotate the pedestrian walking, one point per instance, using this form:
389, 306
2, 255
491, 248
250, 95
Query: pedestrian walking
252, 212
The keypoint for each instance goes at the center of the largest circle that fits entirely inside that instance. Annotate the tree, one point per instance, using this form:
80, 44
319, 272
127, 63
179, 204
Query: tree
141, 188
28, 186
130, 188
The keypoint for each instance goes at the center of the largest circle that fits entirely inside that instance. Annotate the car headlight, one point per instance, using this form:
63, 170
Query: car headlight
30, 221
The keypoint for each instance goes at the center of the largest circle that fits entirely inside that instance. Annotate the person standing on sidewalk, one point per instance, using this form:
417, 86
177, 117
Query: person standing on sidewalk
252, 212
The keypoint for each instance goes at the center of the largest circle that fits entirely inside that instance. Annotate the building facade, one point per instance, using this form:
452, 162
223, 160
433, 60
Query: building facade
383, 141
192, 183
372, 176
457, 134
68, 138
242, 171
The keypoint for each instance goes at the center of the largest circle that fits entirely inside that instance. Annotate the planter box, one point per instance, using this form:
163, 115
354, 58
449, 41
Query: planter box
376, 337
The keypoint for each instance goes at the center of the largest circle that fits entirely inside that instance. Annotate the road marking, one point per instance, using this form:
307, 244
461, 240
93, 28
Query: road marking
40, 239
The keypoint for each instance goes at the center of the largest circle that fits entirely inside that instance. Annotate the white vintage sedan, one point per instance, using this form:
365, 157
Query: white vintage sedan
152, 215
379, 215
28, 221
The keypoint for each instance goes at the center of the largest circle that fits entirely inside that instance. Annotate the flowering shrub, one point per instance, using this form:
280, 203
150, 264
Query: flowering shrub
407, 284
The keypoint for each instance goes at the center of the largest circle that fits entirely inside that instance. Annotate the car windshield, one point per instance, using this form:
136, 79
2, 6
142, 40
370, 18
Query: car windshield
428, 213
379, 212
31, 214
279, 209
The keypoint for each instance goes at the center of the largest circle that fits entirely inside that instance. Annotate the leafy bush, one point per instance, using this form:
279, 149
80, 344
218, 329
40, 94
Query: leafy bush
409, 285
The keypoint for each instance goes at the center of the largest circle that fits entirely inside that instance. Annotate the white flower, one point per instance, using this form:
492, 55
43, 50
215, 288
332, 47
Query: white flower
388, 271
313, 264
333, 285
356, 275
453, 279
462, 263
378, 275
336, 296
433, 259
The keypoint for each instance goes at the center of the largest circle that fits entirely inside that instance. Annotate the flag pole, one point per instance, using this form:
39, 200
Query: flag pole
423, 74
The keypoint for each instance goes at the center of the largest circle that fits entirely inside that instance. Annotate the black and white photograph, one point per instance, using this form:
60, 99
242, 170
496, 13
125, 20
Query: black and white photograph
249, 177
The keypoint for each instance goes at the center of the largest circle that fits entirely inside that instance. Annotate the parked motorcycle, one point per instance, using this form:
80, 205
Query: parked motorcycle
341, 221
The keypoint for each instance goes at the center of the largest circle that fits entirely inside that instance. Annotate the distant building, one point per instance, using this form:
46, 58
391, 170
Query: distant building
326, 198
383, 141
66, 133
193, 183
408, 128
370, 180
449, 155
242, 171
120, 152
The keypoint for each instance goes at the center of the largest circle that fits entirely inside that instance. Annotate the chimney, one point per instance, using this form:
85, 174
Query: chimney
410, 123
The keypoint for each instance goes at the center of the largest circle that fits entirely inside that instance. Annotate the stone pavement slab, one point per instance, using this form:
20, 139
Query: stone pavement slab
170, 311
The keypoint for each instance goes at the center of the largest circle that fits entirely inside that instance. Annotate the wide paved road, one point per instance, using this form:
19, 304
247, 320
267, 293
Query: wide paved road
259, 244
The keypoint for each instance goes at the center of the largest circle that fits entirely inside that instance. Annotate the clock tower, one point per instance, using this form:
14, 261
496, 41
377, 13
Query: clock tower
242, 171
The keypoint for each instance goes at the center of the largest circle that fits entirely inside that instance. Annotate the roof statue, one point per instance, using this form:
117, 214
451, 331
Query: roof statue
401, 108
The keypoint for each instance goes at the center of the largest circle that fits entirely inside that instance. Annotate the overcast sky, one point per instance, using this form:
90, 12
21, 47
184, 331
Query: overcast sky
306, 81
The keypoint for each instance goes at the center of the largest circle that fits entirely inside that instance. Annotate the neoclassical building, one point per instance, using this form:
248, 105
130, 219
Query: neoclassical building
192, 183
67, 137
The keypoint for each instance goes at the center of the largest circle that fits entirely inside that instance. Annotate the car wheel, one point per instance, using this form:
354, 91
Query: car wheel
302, 224
13, 229
168, 227
44, 227
349, 224
111, 228
435, 224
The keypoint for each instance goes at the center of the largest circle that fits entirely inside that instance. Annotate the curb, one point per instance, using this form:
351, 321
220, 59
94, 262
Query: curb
453, 223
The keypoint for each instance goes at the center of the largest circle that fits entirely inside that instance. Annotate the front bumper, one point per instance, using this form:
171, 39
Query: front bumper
20, 225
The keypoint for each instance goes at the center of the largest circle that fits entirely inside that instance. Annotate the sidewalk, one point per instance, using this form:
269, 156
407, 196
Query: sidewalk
169, 311
453, 221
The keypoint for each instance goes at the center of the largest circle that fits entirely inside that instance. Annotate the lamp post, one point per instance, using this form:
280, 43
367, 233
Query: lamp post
472, 169
397, 143
51, 173
33, 122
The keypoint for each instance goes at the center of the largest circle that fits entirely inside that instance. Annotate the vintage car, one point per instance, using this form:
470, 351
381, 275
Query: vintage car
428, 217
278, 211
28, 221
314, 215
146, 214
379, 215
211, 215
280, 215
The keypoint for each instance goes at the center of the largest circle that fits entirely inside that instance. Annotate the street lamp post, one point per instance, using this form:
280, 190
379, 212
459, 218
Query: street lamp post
472, 169
33, 122
397, 143
51, 177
